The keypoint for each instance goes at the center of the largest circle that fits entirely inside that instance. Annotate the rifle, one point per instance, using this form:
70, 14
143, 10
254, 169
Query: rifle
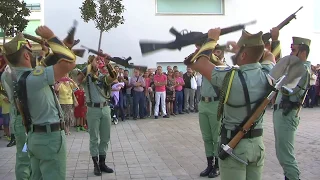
118, 60
77, 52
185, 38
69, 40
283, 73
267, 36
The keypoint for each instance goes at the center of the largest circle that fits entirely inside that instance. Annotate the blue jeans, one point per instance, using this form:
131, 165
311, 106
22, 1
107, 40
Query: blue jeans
311, 96
139, 100
179, 101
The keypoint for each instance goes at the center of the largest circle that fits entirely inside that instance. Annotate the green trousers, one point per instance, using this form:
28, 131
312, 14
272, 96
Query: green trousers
99, 124
209, 126
23, 166
284, 131
249, 150
48, 155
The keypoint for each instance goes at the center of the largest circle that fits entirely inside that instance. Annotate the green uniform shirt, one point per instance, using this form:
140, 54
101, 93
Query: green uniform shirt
207, 89
41, 103
97, 90
298, 91
257, 83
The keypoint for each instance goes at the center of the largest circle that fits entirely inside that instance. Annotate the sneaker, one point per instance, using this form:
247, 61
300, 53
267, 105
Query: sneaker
82, 128
166, 116
78, 128
156, 117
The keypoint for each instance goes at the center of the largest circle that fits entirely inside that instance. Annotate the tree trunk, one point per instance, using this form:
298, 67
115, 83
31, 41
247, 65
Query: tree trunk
100, 40
4, 36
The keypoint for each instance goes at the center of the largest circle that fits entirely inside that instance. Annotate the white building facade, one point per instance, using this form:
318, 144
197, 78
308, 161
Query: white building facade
36, 17
152, 19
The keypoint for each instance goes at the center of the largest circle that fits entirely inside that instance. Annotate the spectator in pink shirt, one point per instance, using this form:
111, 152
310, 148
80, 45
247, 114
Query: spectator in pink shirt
160, 82
179, 92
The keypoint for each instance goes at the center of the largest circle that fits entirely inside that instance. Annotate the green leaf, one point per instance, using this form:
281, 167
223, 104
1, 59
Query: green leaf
106, 14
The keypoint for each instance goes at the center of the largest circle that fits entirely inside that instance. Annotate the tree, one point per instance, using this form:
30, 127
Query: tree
81, 66
13, 15
106, 14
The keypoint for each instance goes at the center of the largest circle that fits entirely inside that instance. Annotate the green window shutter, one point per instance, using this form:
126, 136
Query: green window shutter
190, 6
32, 26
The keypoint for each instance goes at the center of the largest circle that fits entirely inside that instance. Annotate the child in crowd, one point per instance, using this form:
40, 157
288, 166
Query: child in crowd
5, 114
81, 110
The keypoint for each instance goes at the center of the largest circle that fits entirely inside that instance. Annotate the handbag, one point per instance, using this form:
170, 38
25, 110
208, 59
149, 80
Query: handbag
193, 83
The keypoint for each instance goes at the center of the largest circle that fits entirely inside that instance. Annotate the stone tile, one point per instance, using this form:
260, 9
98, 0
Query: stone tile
171, 149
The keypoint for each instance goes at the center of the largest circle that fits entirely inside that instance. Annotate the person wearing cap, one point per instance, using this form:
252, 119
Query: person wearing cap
209, 124
46, 143
23, 166
249, 80
286, 108
97, 89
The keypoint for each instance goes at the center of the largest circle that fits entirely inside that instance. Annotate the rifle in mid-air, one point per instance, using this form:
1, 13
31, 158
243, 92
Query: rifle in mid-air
267, 36
185, 38
118, 60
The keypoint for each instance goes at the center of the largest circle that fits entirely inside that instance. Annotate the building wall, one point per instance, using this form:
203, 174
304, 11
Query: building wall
142, 22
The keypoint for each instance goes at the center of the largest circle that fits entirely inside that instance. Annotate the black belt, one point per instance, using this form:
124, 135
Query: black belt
209, 99
97, 105
250, 134
294, 105
43, 128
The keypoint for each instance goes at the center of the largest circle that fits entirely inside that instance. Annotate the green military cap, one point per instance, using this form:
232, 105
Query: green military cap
299, 40
15, 44
250, 40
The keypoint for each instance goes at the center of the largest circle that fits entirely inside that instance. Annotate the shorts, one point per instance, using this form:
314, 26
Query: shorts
6, 119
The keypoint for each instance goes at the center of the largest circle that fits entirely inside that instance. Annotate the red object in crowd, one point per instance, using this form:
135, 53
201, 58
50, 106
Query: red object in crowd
101, 65
81, 110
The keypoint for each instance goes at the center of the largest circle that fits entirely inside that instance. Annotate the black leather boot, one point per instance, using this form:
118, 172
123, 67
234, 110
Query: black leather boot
103, 166
12, 141
207, 171
215, 171
96, 170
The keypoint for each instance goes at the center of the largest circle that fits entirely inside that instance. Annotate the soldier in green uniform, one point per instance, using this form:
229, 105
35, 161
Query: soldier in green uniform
97, 89
285, 116
46, 142
249, 80
22, 167
209, 124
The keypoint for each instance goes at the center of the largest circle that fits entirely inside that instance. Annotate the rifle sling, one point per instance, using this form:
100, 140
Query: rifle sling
245, 91
23, 99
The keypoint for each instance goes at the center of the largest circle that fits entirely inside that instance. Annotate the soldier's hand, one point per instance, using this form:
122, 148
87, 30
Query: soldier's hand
274, 33
268, 56
44, 32
235, 48
214, 33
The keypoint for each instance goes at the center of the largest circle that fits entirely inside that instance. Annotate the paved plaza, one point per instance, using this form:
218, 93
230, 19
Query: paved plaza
172, 149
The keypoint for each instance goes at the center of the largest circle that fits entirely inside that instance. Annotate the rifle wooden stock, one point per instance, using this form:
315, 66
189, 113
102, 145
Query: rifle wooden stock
267, 36
24, 121
185, 39
249, 121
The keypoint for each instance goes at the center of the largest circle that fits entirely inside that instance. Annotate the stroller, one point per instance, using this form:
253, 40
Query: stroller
114, 110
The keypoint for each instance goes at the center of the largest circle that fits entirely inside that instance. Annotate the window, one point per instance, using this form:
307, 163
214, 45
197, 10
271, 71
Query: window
32, 26
316, 14
34, 7
190, 7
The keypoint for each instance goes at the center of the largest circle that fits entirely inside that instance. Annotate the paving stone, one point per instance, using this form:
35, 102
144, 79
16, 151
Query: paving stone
172, 149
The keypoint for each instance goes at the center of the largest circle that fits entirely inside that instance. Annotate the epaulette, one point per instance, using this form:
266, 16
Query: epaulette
38, 70
223, 68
